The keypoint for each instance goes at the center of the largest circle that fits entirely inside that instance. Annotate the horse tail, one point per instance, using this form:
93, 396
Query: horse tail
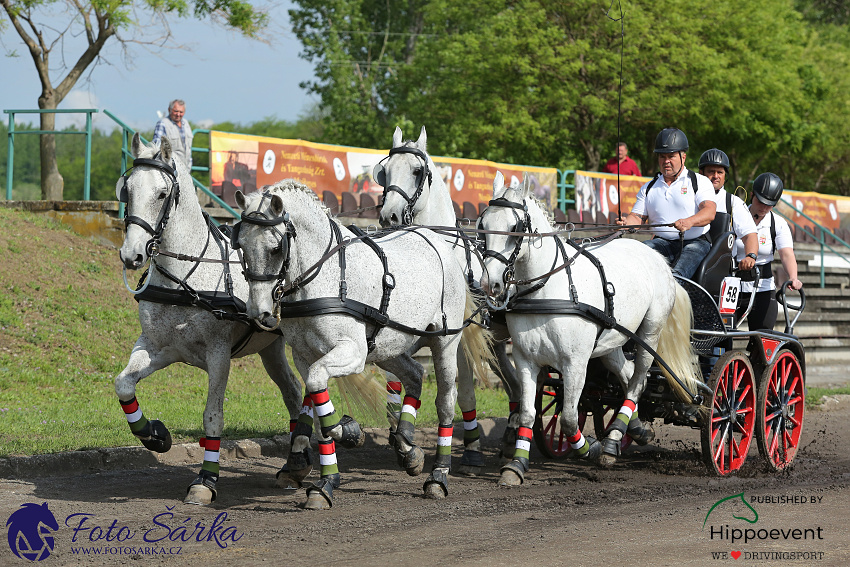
477, 343
364, 396
674, 346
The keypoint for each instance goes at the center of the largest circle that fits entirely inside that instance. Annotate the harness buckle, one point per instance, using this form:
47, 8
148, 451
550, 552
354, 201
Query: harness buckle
152, 248
389, 281
343, 289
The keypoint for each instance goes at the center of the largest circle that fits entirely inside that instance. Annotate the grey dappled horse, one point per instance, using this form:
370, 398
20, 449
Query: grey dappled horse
163, 213
415, 194
642, 296
410, 276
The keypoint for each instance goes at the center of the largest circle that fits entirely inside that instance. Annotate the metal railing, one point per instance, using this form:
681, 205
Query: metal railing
10, 166
818, 236
127, 157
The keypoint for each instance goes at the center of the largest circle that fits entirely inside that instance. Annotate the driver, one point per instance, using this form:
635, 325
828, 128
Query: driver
714, 164
773, 234
678, 197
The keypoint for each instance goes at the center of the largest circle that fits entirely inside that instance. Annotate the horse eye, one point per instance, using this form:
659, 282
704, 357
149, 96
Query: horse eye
417, 172
161, 196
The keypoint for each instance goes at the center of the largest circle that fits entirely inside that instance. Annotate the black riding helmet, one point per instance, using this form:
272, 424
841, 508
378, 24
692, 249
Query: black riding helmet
714, 157
671, 140
768, 188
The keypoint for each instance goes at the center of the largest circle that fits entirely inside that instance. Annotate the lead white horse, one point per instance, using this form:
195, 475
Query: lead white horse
163, 215
352, 300
632, 285
415, 194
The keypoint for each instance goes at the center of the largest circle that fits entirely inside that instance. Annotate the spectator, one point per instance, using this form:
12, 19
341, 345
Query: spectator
714, 164
773, 234
682, 200
623, 162
177, 130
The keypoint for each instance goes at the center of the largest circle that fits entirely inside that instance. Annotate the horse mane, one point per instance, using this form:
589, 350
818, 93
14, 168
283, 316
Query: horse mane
543, 206
295, 187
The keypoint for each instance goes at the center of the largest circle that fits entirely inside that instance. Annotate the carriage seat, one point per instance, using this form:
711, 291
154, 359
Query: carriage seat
717, 264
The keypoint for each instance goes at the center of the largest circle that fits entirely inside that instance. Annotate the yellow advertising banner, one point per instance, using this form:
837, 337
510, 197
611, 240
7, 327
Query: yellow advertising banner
244, 162
823, 209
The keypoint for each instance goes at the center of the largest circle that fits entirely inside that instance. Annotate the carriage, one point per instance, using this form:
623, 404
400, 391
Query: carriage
754, 380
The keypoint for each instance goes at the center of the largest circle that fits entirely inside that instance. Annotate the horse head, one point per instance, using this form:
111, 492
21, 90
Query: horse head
150, 190
264, 235
406, 176
508, 222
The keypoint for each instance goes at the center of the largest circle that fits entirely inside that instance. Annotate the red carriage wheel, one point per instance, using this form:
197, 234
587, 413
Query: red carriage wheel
602, 419
730, 421
779, 417
548, 436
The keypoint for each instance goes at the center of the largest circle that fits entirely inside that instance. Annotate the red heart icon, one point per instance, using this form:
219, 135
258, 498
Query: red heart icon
735, 554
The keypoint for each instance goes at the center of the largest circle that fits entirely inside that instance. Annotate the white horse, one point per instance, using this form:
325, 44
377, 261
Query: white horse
353, 300
632, 286
163, 216
415, 194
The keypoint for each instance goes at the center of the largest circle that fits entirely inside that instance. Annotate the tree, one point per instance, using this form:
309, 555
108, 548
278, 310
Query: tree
98, 22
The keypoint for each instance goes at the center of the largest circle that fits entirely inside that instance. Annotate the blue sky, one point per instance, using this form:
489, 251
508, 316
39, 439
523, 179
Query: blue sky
223, 77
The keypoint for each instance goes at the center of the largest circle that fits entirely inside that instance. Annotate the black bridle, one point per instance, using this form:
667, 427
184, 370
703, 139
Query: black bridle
284, 238
123, 194
379, 174
522, 225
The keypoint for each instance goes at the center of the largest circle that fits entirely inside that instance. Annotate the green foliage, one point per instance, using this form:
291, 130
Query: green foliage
538, 81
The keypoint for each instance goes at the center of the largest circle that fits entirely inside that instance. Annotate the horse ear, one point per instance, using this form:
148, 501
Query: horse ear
526, 184
498, 184
165, 150
397, 137
240, 199
423, 140
136, 146
277, 205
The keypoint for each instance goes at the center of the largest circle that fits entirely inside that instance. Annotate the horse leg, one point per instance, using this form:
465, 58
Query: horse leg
408, 454
444, 354
513, 472
202, 490
298, 465
510, 382
347, 357
627, 420
152, 433
472, 461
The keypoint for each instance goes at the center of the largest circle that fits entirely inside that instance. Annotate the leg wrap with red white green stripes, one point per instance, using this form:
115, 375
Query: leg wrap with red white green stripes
579, 444
444, 446
407, 420
153, 434
345, 430
139, 424
523, 443
212, 450
303, 426
327, 457
627, 412
471, 431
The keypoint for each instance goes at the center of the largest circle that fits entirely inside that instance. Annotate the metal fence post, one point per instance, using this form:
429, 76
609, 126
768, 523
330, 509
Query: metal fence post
10, 162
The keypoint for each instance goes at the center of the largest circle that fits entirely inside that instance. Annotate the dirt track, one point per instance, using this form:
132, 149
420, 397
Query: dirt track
648, 510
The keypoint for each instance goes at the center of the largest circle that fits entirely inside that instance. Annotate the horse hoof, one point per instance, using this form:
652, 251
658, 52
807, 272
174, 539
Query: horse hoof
437, 485
199, 495
510, 477
320, 496
414, 461
471, 463
353, 436
317, 501
607, 461
641, 435
159, 440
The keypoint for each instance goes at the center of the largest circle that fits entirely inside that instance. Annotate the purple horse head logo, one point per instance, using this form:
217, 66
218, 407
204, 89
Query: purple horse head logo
30, 531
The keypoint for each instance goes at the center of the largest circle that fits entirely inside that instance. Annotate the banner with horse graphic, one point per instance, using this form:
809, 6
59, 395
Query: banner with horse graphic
244, 162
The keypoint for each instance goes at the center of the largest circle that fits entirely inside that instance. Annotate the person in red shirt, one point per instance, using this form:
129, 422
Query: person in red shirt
627, 164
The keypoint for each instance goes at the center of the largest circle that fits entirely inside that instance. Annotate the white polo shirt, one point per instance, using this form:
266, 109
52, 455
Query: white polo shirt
784, 239
668, 203
742, 221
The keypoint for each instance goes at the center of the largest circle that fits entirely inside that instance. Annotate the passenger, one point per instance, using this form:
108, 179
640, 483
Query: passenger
773, 234
714, 164
680, 198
